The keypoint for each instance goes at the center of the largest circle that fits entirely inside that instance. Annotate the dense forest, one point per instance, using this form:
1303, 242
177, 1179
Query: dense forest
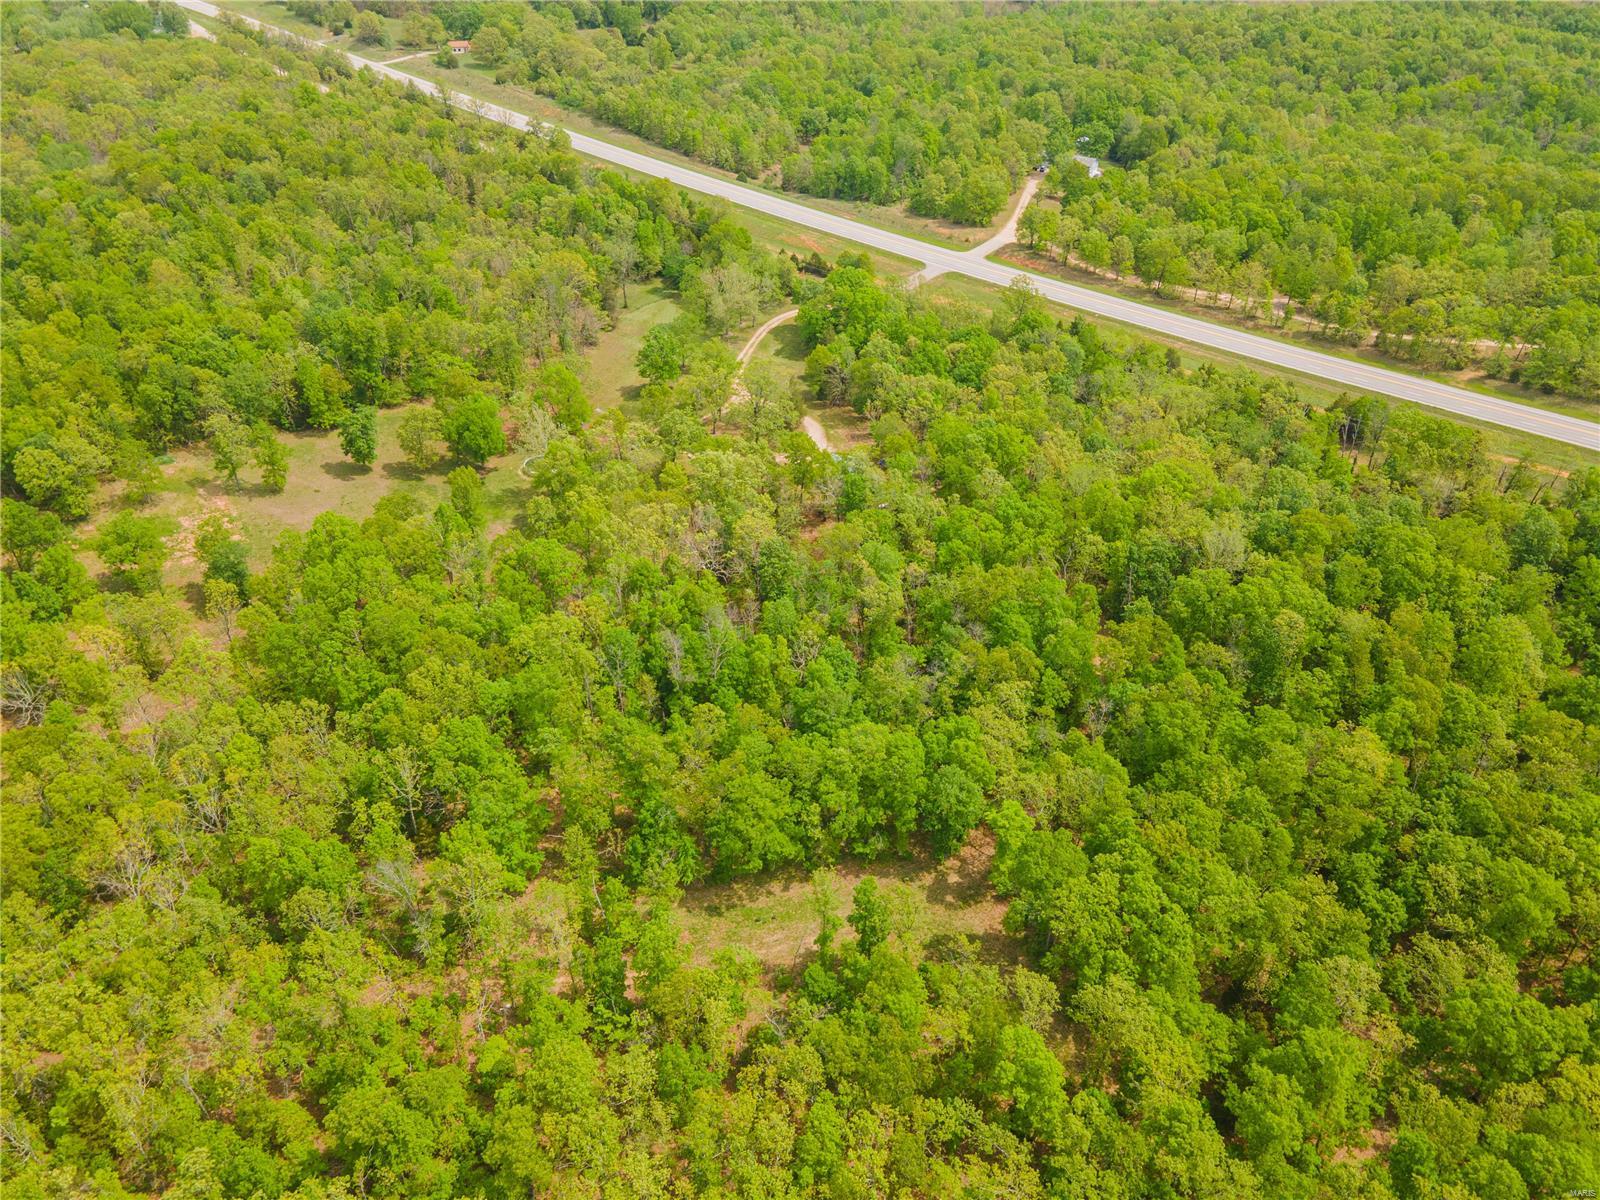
1277, 728
1426, 175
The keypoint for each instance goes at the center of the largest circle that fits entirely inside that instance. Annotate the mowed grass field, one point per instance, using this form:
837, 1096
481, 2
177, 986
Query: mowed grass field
784, 352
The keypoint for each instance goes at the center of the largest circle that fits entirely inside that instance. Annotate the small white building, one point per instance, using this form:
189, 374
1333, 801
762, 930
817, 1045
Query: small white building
1092, 163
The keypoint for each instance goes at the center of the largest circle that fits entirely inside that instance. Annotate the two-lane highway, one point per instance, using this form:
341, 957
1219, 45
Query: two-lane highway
1330, 368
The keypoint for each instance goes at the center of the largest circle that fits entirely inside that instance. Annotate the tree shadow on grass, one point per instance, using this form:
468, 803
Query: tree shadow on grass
343, 469
790, 342
113, 582
403, 472
194, 595
255, 491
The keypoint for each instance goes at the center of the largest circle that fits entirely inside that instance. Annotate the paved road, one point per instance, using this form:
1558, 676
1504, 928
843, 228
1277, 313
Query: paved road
1002, 238
1342, 372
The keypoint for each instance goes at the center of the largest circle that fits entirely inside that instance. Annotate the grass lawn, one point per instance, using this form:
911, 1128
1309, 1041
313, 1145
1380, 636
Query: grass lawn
846, 428
784, 350
608, 373
1506, 443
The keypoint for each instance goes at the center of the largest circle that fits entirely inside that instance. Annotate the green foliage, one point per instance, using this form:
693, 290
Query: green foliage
662, 355
134, 549
1282, 765
302, 322
223, 554
1224, 167
472, 430
59, 473
419, 435
490, 46
557, 388
230, 445
869, 917
28, 532
358, 434
466, 496
369, 30
271, 458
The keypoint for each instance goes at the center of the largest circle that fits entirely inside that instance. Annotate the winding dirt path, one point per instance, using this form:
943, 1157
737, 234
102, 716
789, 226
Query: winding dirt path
813, 427
782, 318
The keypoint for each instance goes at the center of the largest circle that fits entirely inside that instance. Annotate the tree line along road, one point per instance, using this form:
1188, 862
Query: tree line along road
938, 260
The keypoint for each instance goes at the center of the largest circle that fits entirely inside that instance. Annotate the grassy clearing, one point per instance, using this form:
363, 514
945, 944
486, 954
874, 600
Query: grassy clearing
786, 238
1299, 335
847, 429
777, 916
1504, 443
608, 373
784, 350
320, 480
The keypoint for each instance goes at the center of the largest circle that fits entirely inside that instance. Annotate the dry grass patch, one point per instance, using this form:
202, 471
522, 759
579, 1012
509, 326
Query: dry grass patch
777, 916
320, 480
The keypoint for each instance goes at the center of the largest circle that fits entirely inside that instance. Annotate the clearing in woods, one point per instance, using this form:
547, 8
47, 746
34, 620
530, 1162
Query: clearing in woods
321, 479
609, 375
776, 916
